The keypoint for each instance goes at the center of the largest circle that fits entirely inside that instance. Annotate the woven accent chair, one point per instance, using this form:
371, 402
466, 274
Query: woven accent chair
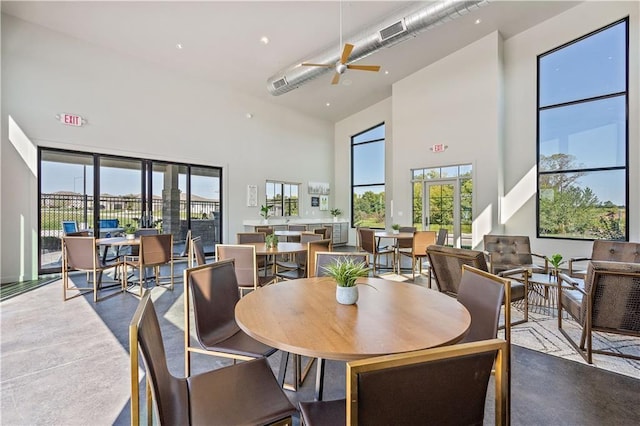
611, 251
447, 262
608, 301
246, 266
390, 390
512, 251
245, 393
212, 291
81, 253
418, 250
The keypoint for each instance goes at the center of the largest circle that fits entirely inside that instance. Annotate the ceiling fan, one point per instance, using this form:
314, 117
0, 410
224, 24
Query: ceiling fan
341, 66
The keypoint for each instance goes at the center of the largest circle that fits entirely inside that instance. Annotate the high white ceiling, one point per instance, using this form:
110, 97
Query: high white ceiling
221, 40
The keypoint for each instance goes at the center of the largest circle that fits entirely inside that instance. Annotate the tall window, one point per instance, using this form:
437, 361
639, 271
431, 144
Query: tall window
367, 178
583, 137
283, 198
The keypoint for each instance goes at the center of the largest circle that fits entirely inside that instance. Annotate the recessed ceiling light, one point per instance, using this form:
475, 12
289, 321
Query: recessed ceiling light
386, 72
249, 115
478, 21
179, 46
264, 40
328, 104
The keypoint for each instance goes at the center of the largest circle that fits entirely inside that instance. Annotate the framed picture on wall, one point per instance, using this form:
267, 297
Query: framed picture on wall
324, 202
315, 201
320, 188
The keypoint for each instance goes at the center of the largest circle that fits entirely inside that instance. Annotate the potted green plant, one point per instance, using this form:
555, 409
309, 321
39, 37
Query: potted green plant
556, 261
265, 212
130, 231
335, 213
345, 272
271, 241
396, 228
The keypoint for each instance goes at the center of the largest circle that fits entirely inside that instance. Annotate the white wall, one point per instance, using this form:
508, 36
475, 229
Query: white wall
520, 54
137, 109
481, 102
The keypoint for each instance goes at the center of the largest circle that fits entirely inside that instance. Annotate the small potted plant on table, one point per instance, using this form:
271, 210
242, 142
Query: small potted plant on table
271, 241
335, 213
555, 261
346, 272
130, 231
265, 212
396, 228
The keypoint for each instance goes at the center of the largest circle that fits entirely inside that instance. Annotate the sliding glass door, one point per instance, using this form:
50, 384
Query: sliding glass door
172, 197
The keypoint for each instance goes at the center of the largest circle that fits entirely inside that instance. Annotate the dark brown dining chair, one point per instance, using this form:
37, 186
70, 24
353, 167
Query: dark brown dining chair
607, 301
245, 266
266, 229
246, 393
155, 251
391, 390
264, 262
81, 254
212, 290
443, 234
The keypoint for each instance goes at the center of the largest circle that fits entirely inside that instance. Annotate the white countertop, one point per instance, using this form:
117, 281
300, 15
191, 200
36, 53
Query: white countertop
285, 221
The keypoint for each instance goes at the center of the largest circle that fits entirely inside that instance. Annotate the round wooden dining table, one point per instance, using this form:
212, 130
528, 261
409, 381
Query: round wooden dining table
303, 317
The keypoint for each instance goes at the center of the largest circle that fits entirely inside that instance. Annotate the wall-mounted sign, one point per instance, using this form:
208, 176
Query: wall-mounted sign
439, 147
71, 119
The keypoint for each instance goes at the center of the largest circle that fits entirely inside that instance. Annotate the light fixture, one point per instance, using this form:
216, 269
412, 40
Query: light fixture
179, 46
328, 104
249, 115
478, 21
386, 72
264, 40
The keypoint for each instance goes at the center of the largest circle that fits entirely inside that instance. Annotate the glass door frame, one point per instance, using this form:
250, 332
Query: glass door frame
426, 204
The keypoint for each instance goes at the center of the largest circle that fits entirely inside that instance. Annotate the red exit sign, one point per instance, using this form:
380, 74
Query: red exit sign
439, 147
71, 119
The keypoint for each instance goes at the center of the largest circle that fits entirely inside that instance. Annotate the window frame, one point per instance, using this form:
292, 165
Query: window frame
581, 101
368, 184
282, 204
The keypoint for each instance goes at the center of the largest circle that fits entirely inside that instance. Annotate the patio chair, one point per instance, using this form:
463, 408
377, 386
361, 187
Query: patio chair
446, 385
608, 301
205, 398
212, 290
81, 254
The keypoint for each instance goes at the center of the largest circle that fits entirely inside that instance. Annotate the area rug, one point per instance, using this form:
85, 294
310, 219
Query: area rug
541, 334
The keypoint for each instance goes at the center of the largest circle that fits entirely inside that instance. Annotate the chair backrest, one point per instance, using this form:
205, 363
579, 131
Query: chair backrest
443, 233
156, 249
69, 226
614, 291
305, 237
80, 253
368, 240
314, 247
184, 252
359, 238
507, 251
266, 229
329, 234
446, 264
197, 250
482, 294
322, 231
616, 251
406, 242
297, 228
422, 240
245, 262
214, 294
323, 259
108, 223
392, 389
169, 393
250, 237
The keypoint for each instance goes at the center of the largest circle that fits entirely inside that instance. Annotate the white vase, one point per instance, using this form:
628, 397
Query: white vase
265, 221
347, 295
335, 218
396, 231
130, 236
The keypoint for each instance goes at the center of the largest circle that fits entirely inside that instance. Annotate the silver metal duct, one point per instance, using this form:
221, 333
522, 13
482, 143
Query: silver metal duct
400, 27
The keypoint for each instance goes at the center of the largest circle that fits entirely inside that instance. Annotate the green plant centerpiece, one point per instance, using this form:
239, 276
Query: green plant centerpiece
265, 212
556, 261
130, 231
271, 241
396, 228
346, 271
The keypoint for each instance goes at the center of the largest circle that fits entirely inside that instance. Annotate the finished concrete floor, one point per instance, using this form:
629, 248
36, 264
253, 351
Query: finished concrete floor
67, 363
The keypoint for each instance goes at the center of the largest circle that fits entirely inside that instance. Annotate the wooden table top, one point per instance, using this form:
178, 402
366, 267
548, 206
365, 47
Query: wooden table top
400, 235
283, 248
303, 317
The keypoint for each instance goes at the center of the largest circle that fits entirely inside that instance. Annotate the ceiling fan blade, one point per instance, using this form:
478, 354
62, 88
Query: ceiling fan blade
364, 67
346, 52
336, 78
306, 64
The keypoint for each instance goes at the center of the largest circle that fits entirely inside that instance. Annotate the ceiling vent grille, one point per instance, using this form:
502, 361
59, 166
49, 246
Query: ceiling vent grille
280, 83
393, 30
